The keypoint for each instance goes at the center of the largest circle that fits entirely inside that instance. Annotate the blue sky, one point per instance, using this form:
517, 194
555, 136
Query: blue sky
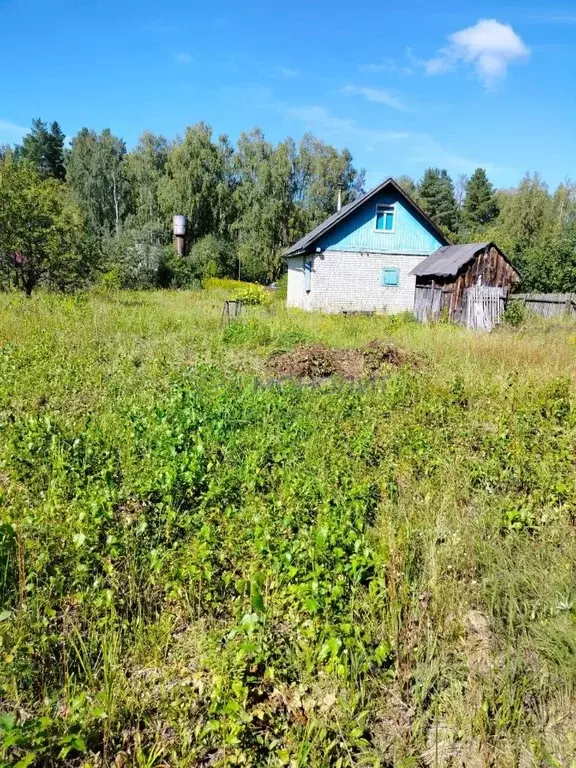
403, 86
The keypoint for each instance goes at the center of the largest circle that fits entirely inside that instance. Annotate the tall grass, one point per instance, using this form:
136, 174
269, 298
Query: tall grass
200, 566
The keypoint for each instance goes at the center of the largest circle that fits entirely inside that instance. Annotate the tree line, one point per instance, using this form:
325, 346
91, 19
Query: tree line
534, 227
94, 211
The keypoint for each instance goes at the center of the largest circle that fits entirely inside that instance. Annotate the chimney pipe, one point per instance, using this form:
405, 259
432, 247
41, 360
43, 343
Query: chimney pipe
339, 205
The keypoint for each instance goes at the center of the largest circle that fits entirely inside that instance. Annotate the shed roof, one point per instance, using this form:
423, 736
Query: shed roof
448, 260
306, 243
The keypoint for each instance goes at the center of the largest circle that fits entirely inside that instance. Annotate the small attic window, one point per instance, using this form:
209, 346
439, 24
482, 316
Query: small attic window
385, 218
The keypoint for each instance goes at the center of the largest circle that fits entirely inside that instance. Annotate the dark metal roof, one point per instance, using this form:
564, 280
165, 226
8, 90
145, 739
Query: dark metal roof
448, 260
306, 243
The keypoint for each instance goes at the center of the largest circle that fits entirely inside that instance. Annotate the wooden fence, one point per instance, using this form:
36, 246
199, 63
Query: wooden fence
481, 308
547, 304
429, 301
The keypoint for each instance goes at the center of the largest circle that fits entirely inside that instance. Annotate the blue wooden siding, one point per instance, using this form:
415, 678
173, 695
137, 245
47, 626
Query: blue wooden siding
411, 233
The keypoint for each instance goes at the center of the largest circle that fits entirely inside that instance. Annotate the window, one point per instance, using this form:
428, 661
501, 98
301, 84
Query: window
385, 218
390, 277
307, 274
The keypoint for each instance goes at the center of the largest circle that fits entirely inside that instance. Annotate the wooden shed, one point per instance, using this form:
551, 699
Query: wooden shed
443, 278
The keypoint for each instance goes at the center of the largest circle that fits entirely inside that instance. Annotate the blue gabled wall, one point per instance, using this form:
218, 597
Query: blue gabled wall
412, 233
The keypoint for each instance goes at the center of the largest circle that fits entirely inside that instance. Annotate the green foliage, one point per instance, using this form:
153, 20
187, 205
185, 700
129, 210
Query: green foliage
176, 271
409, 186
436, 195
282, 287
263, 199
515, 314
201, 565
319, 170
225, 284
145, 167
135, 256
42, 238
212, 257
480, 205
97, 177
43, 148
254, 294
196, 182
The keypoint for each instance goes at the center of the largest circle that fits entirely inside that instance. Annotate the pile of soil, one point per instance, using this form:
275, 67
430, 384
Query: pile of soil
320, 362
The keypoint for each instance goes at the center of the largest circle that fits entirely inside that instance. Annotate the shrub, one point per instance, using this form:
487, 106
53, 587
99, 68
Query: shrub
515, 314
249, 293
211, 256
254, 294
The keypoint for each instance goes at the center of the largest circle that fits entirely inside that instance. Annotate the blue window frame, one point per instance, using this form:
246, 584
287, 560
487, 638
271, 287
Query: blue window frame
390, 277
307, 274
385, 218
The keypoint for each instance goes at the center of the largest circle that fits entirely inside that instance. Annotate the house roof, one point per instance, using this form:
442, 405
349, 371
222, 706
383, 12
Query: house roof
449, 260
306, 243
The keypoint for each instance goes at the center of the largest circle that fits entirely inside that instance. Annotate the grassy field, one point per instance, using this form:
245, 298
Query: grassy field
204, 566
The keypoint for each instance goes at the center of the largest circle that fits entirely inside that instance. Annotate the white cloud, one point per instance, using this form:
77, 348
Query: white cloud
320, 119
288, 72
379, 96
11, 133
183, 58
488, 45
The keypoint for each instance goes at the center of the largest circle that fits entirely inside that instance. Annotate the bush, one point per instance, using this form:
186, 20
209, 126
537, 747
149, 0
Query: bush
515, 314
254, 294
249, 293
211, 256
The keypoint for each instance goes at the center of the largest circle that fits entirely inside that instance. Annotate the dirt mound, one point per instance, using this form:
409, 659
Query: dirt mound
377, 353
317, 362
320, 362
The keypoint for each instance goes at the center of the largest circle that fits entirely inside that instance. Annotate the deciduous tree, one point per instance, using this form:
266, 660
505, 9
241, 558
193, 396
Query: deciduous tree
97, 177
42, 238
196, 182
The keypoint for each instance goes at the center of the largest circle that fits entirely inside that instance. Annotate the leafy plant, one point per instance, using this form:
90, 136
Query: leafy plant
515, 314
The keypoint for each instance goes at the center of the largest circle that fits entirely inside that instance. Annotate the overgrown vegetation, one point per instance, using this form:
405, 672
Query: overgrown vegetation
203, 566
246, 203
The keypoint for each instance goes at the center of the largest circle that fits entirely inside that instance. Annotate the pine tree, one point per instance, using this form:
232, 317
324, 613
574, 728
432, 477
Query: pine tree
44, 148
436, 194
55, 152
480, 206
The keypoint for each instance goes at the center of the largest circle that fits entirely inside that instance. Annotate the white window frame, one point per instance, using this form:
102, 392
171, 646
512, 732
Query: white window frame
388, 207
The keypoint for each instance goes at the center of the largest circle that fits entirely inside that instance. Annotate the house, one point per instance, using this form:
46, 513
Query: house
442, 278
362, 257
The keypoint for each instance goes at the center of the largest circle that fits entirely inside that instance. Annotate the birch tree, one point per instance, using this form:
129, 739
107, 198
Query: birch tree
97, 177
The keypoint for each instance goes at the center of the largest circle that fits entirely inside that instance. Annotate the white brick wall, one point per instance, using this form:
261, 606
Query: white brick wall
348, 280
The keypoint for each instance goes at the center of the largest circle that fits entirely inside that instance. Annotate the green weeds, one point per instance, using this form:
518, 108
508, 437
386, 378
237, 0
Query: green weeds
199, 567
